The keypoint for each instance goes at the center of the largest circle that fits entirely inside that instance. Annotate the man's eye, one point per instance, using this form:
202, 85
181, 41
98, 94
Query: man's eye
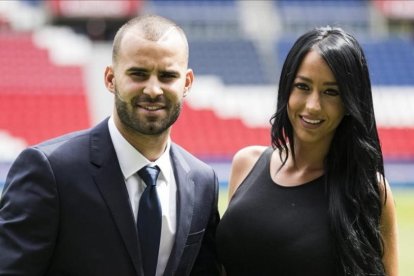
138, 74
168, 76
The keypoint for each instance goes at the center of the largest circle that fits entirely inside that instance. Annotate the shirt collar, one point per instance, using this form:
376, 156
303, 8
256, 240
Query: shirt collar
131, 160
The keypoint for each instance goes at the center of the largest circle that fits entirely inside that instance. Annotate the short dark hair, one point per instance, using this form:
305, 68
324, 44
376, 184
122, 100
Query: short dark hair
354, 158
153, 28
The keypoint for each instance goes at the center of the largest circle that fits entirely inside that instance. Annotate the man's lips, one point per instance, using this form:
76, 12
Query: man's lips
151, 107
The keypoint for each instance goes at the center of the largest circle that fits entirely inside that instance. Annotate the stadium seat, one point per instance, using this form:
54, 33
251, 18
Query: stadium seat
41, 100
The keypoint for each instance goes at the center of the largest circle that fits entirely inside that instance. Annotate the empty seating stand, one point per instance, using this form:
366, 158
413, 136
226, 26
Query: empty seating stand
299, 16
38, 99
235, 61
210, 137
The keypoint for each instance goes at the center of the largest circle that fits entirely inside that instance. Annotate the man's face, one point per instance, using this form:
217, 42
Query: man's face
150, 79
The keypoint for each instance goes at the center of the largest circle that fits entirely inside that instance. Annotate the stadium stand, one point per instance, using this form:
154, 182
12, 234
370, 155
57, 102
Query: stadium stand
217, 43
41, 99
390, 60
236, 61
300, 15
205, 19
213, 138
44, 98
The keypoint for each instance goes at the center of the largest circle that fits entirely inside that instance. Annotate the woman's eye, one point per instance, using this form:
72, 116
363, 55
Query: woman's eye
301, 86
332, 92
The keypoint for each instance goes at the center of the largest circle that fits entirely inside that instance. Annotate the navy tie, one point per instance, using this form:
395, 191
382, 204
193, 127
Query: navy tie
149, 220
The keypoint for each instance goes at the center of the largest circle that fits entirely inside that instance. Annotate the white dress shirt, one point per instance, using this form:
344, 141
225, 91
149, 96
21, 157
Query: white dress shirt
131, 161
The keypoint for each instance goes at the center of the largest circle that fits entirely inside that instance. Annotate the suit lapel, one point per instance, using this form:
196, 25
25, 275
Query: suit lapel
185, 206
110, 181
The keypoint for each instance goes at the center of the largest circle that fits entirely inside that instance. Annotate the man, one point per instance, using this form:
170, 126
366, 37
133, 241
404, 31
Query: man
75, 205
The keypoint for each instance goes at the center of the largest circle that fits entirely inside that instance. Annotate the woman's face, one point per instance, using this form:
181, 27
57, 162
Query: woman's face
315, 106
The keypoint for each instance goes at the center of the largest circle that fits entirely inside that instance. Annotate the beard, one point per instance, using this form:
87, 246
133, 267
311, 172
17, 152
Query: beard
146, 125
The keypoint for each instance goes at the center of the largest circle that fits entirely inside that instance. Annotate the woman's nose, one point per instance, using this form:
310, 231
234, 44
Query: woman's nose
313, 102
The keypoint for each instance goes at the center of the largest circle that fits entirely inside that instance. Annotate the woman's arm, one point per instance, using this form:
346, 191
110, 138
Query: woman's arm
389, 231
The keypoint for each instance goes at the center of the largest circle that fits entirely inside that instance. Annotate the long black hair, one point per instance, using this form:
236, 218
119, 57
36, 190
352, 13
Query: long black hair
354, 160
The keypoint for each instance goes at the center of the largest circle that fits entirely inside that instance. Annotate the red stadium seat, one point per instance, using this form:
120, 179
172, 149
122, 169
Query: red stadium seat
38, 99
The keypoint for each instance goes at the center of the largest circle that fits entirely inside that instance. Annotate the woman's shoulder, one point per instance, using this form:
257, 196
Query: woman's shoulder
249, 154
242, 164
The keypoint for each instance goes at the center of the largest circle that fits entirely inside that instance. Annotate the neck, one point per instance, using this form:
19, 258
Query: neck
150, 146
308, 157
307, 166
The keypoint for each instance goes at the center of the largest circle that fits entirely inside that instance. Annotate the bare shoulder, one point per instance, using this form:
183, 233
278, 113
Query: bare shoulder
243, 162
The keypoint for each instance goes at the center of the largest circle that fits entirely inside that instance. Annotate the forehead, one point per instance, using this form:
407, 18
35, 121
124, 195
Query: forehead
170, 44
313, 65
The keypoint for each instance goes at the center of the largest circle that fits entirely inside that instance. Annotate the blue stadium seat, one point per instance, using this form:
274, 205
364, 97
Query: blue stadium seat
199, 17
390, 61
298, 16
234, 61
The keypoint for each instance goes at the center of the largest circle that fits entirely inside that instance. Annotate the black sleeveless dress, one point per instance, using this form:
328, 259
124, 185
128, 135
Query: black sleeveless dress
269, 229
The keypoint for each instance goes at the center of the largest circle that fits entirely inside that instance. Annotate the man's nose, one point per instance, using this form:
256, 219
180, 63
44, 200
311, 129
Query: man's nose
152, 87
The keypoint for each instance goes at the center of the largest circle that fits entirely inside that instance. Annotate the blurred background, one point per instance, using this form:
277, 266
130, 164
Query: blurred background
53, 55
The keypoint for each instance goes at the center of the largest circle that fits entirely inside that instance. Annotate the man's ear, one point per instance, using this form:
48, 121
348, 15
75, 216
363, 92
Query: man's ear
189, 78
109, 79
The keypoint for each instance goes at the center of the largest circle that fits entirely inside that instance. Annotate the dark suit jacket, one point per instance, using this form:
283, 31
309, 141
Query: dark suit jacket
65, 211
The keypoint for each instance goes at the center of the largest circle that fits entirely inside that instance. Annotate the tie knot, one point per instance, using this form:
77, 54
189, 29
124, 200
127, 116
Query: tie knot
149, 175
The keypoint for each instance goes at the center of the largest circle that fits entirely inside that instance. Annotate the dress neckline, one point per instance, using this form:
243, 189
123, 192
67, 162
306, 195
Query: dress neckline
268, 152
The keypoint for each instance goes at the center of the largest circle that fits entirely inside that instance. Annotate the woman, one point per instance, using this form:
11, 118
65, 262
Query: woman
317, 202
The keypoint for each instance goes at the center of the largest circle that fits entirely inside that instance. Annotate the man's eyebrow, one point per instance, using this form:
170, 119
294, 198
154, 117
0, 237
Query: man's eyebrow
136, 69
170, 71
132, 70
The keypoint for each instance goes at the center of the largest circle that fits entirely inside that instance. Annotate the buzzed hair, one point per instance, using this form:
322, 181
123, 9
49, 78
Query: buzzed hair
153, 27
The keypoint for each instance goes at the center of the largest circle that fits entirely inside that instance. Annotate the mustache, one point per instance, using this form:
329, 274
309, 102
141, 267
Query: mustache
143, 98
147, 99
